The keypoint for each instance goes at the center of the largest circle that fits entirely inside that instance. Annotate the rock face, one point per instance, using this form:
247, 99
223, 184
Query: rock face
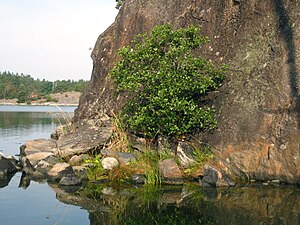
258, 107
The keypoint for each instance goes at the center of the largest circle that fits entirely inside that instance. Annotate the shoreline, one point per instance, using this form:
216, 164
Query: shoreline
39, 104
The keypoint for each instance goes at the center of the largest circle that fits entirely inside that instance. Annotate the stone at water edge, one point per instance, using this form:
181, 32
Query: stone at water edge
170, 172
59, 171
138, 179
214, 178
109, 163
38, 145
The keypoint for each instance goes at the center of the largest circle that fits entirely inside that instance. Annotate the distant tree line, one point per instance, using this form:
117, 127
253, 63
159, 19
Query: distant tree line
25, 88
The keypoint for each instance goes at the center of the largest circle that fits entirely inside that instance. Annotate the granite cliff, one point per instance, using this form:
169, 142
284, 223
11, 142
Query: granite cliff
258, 106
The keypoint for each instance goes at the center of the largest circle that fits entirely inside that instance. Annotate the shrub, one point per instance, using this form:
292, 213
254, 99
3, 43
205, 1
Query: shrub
166, 83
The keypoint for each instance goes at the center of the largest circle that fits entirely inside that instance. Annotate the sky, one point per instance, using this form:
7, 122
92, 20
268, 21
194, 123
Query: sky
52, 39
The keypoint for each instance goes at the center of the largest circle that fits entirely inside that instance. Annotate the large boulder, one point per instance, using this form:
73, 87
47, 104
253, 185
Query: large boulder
258, 107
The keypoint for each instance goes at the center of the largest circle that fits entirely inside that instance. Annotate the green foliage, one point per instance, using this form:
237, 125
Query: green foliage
203, 155
49, 98
25, 88
166, 83
119, 4
149, 163
96, 170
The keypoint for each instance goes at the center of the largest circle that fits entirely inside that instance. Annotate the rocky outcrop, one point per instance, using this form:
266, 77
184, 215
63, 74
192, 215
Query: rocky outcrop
258, 107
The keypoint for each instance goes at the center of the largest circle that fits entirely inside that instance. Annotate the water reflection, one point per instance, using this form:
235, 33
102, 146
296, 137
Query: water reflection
17, 125
186, 205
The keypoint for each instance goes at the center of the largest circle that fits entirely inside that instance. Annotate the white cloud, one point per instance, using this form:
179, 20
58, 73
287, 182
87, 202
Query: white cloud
51, 38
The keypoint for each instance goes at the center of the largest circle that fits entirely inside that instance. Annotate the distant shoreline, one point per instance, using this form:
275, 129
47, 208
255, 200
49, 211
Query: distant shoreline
38, 104
61, 99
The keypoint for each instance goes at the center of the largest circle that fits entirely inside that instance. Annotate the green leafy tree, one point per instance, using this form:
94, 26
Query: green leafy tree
22, 94
166, 83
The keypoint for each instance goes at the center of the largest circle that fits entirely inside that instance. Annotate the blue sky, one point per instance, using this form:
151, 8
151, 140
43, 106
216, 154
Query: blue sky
51, 38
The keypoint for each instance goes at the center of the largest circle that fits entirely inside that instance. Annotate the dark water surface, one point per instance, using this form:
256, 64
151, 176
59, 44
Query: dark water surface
25, 202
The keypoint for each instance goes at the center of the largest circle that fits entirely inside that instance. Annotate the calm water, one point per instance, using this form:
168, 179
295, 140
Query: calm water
25, 202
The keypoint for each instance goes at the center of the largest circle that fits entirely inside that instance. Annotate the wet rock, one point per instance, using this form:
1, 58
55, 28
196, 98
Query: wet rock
138, 179
214, 178
125, 157
70, 180
109, 163
77, 160
59, 171
6, 166
184, 153
170, 172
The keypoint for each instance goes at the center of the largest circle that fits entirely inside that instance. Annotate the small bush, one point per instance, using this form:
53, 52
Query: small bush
95, 171
167, 85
